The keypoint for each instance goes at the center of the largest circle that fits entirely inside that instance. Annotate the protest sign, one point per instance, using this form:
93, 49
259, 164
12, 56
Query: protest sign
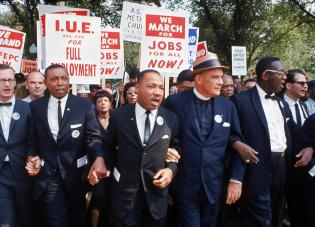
193, 36
112, 54
239, 66
75, 44
131, 22
11, 47
28, 66
164, 44
202, 49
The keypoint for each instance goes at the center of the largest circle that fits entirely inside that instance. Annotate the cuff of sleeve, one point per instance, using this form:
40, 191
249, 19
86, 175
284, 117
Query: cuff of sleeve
235, 181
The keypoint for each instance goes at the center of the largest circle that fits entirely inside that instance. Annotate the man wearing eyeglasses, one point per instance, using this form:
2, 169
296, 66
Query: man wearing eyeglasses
263, 124
15, 184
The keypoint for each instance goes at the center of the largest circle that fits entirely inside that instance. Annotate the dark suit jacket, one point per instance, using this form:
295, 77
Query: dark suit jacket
255, 131
63, 155
18, 146
137, 164
202, 164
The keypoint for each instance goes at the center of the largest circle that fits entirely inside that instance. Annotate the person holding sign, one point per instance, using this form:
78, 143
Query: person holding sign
209, 123
65, 128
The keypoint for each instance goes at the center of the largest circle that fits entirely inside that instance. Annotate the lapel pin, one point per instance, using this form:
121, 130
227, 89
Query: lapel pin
75, 134
132, 118
160, 120
16, 116
68, 109
218, 118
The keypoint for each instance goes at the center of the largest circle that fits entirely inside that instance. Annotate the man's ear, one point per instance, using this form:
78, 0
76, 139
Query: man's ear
264, 76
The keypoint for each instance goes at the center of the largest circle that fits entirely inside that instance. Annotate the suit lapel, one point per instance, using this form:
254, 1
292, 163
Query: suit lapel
133, 124
15, 115
67, 112
45, 117
1, 133
259, 109
158, 128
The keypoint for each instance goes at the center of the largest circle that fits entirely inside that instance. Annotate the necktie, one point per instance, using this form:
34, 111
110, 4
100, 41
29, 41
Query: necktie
298, 115
147, 128
5, 103
59, 113
273, 97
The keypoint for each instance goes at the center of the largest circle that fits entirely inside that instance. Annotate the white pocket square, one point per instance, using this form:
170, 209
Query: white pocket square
75, 126
287, 119
226, 124
165, 137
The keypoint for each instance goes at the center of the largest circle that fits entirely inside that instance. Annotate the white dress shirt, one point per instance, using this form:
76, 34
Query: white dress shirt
291, 104
5, 118
140, 118
275, 122
52, 114
310, 103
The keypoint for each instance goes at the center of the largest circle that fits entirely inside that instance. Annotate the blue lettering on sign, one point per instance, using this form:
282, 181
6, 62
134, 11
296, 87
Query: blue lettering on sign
192, 35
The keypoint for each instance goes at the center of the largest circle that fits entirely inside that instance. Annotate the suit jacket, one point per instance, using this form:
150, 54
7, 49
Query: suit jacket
18, 146
202, 164
137, 164
78, 134
255, 131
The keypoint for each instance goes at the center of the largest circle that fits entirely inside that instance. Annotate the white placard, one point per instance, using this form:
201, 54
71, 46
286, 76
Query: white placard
74, 43
239, 66
165, 41
112, 54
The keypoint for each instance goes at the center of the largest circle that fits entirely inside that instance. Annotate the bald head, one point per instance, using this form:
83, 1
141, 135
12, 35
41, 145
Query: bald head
35, 85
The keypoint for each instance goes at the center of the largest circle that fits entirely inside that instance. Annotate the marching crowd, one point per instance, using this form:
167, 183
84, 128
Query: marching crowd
215, 152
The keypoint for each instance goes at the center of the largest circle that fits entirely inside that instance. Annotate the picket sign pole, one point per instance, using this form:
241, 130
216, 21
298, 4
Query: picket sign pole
74, 89
166, 85
103, 82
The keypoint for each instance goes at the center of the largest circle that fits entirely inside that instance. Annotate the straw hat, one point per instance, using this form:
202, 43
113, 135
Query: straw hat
204, 63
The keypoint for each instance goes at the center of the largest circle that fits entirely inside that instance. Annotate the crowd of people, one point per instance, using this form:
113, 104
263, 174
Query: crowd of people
215, 152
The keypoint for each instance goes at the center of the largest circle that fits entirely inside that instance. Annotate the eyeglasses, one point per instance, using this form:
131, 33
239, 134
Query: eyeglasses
276, 71
3, 81
132, 92
302, 83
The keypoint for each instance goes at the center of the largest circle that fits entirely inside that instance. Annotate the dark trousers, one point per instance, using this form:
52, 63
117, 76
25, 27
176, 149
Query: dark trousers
15, 205
60, 208
265, 211
139, 215
197, 212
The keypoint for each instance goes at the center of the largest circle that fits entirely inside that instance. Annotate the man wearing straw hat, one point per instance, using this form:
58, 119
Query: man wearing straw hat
209, 123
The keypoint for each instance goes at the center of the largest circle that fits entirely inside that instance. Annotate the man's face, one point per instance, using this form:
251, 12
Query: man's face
185, 85
249, 85
209, 83
57, 82
227, 89
7, 84
35, 84
298, 88
237, 83
150, 91
276, 77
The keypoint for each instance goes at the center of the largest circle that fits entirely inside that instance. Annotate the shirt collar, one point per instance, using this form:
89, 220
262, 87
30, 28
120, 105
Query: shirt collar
200, 96
290, 101
11, 100
262, 94
141, 111
54, 99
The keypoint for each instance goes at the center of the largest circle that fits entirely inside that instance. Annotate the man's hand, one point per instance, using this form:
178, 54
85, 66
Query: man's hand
33, 165
233, 192
98, 171
305, 156
248, 154
172, 155
163, 178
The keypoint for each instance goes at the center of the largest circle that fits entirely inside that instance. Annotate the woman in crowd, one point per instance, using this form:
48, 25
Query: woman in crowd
130, 93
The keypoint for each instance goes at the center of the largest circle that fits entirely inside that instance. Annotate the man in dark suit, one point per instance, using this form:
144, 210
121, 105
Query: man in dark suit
209, 123
65, 128
139, 136
15, 184
263, 123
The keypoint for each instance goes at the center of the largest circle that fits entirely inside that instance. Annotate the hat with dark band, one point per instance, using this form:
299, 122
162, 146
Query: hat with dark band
204, 63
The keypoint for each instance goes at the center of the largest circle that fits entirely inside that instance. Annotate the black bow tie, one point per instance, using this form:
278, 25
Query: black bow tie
273, 97
5, 103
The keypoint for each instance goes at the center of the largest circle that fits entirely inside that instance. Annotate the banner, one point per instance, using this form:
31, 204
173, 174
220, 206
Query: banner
239, 66
193, 36
28, 66
11, 47
164, 44
131, 22
74, 43
202, 49
112, 54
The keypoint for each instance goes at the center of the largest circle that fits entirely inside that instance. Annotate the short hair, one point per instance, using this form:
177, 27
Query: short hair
5, 66
134, 73
142, 73
54, 66
126, 88
101, 94
249, 80
291, 75
264, 64
185, 76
